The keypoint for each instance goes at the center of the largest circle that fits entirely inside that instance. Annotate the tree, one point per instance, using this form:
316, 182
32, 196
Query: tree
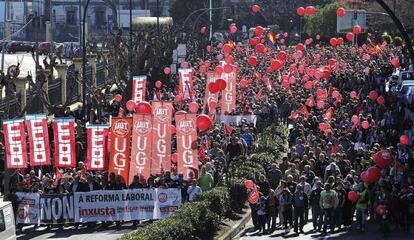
323, 22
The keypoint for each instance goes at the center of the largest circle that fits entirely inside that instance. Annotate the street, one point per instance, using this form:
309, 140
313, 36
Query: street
70, 233
372, 232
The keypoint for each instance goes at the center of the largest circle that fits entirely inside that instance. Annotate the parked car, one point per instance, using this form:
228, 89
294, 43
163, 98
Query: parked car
71, 49
2, 43
14, 46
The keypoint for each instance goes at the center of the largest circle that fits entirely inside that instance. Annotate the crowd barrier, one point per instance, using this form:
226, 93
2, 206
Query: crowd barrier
110, 205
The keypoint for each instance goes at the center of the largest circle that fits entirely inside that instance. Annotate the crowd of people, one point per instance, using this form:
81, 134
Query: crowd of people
328, 148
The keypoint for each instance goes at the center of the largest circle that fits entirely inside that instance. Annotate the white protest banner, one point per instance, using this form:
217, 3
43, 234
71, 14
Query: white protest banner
56, 208
28, 208
126, 205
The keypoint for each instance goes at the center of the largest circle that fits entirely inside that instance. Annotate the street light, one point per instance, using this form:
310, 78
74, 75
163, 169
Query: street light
85, 9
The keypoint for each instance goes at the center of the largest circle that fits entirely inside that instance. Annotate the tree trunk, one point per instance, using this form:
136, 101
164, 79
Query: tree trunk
400, 28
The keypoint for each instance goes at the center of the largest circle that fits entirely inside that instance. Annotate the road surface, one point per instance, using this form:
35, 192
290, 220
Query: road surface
70, 233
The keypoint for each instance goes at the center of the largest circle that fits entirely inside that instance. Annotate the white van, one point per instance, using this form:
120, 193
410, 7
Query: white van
7, 226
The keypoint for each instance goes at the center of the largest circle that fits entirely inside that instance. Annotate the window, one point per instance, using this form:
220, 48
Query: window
99, 17
71, 17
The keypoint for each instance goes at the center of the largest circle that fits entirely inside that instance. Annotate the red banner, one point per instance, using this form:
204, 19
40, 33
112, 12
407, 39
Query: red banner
15, 141
186, 87
120, 147
141, 147
161, 137
139, 88
97, 137
187, 162
209, 96
64, 138
228, 99
38, 140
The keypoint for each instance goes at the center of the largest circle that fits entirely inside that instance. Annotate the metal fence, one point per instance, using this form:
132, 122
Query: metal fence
100, 75
55, 91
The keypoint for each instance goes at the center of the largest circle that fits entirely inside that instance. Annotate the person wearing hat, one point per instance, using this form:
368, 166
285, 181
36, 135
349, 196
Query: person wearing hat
300, 204
328, 202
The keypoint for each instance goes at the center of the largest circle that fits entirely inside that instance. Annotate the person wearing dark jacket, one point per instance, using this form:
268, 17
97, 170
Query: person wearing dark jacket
317, 213
300, 204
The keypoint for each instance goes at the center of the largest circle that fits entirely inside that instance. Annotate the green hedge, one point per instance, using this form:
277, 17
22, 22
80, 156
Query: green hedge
201, 218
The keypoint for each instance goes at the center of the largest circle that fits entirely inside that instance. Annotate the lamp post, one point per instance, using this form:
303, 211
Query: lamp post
3, 49
85, 10
130, 40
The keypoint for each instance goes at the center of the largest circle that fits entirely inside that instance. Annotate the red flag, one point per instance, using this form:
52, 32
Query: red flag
310, 102
97, 136
253, 196
58, 176
304, 111
139, 84
294, 115
187, 163
329, 113
259, 95
229, 128
15, 143
38, 140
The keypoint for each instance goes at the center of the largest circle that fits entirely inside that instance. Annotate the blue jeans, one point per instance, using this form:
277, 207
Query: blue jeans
328, 218
361, 217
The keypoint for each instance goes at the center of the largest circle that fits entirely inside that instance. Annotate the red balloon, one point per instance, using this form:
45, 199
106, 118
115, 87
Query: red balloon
300, 47
340, 12
383, 159
275, 64
260, 48
203, 122
118, 98
365, 124
395, 62
349, 36
353, 196
252, 61
404, 139
364, 177
381, 209
381, 100
254, 41
357, 29
193, 107
228, 68
221, 83
300, 11
310, 10
281, 55
213, 87
374, 174
333, 42
229, 59
340, 41
144, 107
259, 30
218, 70
174, 157
249, 184
130, 105
255, 8
158, 84
167, 70
227, 48
373, 95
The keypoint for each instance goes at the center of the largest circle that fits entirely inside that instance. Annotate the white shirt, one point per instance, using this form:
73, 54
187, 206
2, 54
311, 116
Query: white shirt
192, 191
